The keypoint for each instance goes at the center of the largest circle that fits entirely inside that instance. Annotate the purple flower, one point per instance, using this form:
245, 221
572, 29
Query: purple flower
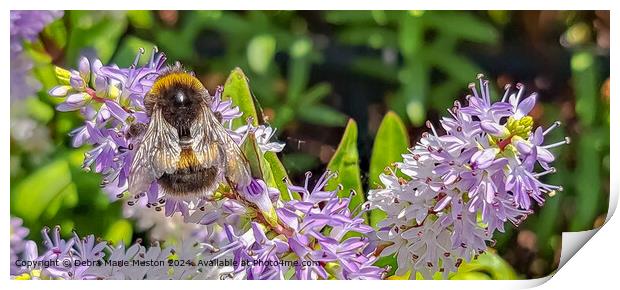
258, 193
136, 80
483, 165
87, 249
480, 104
224, 110
301, 234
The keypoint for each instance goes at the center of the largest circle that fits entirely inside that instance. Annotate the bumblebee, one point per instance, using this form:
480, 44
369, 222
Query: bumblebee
184, 145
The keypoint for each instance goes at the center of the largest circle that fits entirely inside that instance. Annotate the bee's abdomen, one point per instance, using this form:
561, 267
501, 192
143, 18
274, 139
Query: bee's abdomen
190, 178
190, 182
187, 160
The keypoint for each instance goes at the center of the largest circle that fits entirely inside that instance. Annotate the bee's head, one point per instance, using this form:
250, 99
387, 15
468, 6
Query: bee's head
179, 94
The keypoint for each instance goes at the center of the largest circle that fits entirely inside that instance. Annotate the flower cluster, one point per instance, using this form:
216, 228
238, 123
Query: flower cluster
454, 190
317, 237
26, 26
110, 100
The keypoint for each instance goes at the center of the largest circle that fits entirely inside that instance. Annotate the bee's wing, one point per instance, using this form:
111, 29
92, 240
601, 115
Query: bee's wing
214, 147
205, 138
158, 153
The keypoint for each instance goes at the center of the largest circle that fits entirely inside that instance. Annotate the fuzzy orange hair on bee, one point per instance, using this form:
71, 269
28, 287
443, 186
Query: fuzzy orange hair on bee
184, 146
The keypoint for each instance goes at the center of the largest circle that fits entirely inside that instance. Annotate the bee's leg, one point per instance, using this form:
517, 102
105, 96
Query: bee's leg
233, 187
136, 129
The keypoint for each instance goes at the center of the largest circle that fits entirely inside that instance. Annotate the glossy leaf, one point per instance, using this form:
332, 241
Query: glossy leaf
488, 265
279, 175
345, 163
391, 141
258, 164
237, 89
33, 194
67, 198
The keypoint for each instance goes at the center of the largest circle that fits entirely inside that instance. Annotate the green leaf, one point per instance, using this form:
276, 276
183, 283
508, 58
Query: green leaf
237, 89
388, 261
258, 165
263, 166
391, 141
345, 163
471, 276
119, 231
68, 198
267, 165
488, 266
260, 52
279, 175
33, 194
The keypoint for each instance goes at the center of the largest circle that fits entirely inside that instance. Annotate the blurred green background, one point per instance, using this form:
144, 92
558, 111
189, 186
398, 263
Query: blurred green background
311, 71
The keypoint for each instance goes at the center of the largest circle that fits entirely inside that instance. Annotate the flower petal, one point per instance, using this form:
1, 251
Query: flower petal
59, 91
